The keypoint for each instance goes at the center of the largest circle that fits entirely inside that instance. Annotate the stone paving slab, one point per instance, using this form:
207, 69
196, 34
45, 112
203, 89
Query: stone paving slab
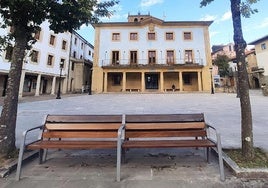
144, 168
154, 168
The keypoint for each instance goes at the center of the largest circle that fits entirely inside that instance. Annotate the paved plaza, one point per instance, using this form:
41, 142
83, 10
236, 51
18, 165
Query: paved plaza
145, 168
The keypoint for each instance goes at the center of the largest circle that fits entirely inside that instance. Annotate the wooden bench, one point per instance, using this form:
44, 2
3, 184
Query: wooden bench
133, 90
163, 131
73, 132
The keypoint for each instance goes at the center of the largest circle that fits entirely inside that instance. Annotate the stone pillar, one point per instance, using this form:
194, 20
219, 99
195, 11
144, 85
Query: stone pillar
161, 81
38, 84
105, 82
22, 78
199, 81
180, 81
124, 81
53, 86
142, 81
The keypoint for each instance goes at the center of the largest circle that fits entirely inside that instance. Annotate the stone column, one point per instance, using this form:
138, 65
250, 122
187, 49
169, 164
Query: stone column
105, 81
38, 83
142, 81
180, 81
199, 81
22, 78
161, 81
124, 81
53, 86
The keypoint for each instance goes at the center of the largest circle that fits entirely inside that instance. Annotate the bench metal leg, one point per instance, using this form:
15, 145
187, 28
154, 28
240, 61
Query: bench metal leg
219, 148
41, 152
18, 173
208, 154
118, 165
45, 155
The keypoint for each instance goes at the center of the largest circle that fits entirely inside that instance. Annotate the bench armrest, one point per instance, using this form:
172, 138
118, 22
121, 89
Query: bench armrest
24, 135
216, 133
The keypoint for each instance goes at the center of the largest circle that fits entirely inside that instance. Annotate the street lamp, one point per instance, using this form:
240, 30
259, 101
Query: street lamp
58, 94
212, 88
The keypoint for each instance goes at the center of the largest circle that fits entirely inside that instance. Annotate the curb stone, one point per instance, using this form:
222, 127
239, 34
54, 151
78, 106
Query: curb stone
6, 170
252, 173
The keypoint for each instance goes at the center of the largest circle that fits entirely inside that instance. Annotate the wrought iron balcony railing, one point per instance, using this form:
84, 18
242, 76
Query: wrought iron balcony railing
163, 62
257, 69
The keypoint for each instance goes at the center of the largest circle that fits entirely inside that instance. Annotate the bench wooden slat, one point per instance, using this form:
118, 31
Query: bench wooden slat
63, 144
83, 126
80, 134
165, 118
157, 133
165, 126
85, 118
167, 143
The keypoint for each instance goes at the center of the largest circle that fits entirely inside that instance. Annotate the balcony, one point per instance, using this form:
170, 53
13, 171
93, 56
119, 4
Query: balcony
257, 70
158, 63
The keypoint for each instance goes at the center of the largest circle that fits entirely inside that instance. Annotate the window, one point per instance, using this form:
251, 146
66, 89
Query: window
133, 36
151, 36
170, 57
116, 36
52, 40
74, 54
72, 67
133, 57
62, 62
9, 51
75, 41
37, 35
82, 45
64, 45
187, 36
50, 60
115, 57
89, 52
187, 79
188, 56
34, 56
151, 57
263, 46
117, 79
169, 36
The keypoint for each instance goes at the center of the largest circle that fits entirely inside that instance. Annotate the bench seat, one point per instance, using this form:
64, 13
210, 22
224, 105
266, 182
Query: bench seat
166, 131
74, 144
167, 143
72, 132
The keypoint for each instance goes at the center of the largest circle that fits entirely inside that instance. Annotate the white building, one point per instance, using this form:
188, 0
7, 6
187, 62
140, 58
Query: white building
41, 68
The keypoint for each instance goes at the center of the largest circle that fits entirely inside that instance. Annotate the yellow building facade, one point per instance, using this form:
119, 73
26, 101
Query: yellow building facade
146, 54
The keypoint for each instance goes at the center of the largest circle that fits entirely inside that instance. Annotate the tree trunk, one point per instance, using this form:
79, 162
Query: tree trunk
9, 111
246, 116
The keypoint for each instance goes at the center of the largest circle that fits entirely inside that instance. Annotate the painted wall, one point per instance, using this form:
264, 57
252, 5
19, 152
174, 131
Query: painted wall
142, 45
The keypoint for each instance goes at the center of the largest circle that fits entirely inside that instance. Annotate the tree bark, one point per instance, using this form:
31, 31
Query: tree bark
9, 111
246, 115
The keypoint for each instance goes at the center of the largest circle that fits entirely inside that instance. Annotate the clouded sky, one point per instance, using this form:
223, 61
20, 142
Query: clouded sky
221, 31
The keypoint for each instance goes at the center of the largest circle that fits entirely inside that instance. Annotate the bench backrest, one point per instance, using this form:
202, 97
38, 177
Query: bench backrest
81, 126
165, 125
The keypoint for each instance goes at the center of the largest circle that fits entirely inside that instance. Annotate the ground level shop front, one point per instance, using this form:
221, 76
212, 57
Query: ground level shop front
148, 79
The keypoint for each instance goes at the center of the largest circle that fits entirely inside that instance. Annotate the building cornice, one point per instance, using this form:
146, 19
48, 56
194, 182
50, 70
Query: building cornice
259, 40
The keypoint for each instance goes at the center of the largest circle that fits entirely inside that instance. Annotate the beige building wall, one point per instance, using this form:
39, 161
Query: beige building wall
134, 77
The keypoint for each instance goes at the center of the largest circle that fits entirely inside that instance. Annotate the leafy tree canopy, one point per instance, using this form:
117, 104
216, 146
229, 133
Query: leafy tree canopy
63, 15
222, 62
245, 7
